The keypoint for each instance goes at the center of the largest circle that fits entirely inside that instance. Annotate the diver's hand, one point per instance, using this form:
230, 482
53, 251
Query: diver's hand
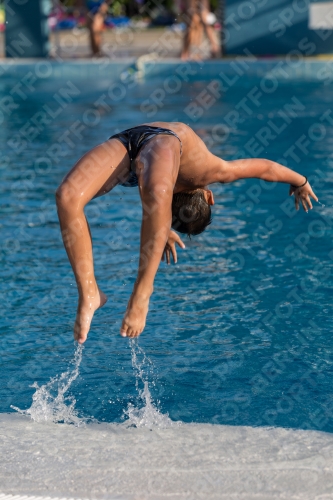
170, 247
302, 194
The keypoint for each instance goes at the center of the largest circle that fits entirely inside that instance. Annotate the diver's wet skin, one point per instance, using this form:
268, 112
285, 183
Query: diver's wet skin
173, 168
85, 312
135, 317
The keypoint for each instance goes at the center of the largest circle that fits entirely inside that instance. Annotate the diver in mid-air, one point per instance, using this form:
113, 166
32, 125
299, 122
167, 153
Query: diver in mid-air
172, 168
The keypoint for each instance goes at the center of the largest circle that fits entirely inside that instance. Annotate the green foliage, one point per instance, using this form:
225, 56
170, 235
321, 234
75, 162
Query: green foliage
117, 8
214, 4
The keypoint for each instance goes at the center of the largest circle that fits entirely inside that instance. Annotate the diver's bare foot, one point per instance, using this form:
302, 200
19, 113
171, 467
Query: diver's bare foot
85, 313
135, 317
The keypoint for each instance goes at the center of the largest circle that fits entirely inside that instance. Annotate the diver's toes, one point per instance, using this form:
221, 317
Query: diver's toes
124, 331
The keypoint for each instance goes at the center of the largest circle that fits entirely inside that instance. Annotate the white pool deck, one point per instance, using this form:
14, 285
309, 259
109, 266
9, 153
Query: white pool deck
193, 461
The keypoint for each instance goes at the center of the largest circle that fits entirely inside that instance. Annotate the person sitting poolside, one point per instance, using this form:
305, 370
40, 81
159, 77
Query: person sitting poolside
173, 168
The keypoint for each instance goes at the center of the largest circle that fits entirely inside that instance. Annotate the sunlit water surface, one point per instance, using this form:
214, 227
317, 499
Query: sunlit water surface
238, 332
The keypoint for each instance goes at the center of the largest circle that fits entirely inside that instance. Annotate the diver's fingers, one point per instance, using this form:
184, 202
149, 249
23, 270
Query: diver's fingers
179, 241
313, 195
304, 204
174, 253
167, 254
297, 202
309, 201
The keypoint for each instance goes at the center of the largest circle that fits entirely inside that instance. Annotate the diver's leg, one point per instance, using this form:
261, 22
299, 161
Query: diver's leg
96, 173
157, 170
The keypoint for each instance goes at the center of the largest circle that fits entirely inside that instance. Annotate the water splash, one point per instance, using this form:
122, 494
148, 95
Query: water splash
320, 203
50, 402
147, 415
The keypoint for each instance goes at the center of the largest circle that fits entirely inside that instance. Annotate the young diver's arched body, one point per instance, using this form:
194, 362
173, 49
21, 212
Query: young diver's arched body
172, 168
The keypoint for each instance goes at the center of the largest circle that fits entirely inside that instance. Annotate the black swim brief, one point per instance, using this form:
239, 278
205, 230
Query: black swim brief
134, 139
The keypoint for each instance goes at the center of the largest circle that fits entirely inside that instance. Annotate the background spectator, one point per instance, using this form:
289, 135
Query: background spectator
199, 20
97, 10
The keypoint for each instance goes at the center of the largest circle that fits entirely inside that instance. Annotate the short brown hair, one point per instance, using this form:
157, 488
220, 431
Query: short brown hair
191, 213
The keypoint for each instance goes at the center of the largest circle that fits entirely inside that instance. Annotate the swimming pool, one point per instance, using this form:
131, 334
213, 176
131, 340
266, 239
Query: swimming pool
239, 331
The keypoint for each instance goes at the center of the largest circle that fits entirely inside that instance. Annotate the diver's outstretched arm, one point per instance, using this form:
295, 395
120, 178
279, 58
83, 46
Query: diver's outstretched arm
272, 172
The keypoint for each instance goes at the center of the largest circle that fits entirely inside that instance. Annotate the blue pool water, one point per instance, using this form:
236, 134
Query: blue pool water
240, 330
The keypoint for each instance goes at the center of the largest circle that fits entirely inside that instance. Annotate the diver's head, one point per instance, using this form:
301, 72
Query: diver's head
191, 212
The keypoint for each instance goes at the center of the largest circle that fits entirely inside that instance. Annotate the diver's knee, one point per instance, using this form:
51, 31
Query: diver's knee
66, 198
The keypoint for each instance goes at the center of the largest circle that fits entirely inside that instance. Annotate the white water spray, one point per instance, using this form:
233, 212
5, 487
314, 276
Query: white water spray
147, 415
50, 402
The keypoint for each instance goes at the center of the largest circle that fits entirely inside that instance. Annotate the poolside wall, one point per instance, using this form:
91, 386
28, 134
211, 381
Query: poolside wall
122, 74
278, 27
27, 32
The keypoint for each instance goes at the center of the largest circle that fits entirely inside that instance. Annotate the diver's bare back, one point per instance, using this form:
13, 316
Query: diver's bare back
195, 156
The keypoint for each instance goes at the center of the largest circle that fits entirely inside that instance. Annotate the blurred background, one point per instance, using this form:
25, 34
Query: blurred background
190, 29
116, 28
